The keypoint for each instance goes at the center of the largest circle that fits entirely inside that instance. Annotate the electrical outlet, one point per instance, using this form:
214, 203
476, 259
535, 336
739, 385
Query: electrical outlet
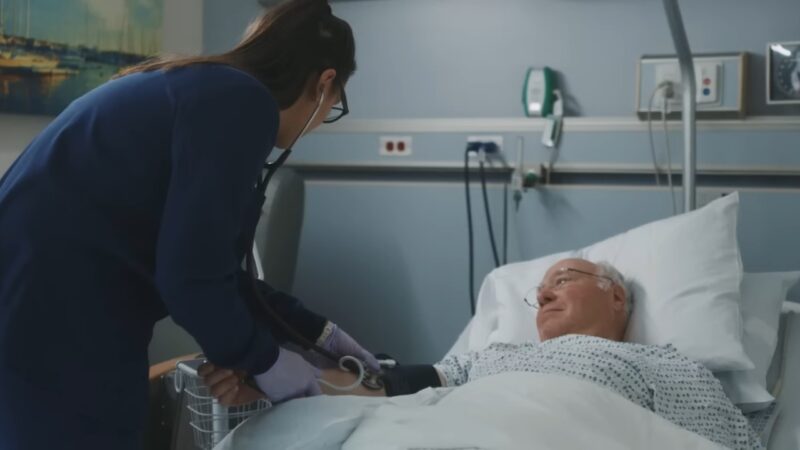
669, 71
497, 140
395, 145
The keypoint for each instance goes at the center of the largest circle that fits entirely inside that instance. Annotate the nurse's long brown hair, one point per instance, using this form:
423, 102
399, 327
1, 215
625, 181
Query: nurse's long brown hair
285, 46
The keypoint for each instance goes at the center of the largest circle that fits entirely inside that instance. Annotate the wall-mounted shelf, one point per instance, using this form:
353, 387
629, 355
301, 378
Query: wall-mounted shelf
562, 174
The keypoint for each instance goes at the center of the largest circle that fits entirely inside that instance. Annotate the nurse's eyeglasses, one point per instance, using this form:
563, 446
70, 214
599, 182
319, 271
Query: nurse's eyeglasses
340, 109
564, 277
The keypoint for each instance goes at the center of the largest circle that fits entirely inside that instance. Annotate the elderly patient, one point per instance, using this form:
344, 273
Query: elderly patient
583, 311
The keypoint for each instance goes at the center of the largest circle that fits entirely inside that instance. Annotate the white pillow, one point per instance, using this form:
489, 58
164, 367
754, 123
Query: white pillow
763, 295
685, 273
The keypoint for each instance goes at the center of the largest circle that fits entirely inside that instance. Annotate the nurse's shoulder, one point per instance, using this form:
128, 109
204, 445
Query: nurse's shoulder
221, 87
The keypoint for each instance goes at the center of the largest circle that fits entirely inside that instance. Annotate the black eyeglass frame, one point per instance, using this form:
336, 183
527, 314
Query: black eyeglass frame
343, 110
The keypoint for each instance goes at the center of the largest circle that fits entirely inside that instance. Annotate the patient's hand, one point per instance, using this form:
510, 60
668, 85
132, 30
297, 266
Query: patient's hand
227, 386
342, 378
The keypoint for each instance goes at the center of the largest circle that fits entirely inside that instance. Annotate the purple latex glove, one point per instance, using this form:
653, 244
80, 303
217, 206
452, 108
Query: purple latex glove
340, 343
290, 377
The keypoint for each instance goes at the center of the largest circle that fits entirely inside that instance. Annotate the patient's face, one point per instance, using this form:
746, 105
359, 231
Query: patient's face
576, 303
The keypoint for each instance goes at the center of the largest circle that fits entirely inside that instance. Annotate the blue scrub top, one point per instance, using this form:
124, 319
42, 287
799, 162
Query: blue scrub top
129, 206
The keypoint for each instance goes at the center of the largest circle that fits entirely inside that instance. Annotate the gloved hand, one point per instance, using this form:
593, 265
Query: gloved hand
340, 343
290, 377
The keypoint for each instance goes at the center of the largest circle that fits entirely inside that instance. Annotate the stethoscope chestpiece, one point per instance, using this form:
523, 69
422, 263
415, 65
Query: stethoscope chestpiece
372, 380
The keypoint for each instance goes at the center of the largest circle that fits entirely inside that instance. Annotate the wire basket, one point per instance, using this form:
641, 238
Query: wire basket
210, 421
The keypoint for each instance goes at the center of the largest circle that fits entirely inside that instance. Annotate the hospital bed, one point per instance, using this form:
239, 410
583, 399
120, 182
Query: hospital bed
501, 317
784, 371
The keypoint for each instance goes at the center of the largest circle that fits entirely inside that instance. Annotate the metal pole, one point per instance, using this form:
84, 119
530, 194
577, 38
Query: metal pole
689, 102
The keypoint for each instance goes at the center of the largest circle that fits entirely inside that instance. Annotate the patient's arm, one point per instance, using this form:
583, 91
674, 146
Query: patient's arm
342, 378
401, 380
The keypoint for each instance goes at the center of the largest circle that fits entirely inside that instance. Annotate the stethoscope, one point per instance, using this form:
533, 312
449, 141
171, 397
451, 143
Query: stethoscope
366, 377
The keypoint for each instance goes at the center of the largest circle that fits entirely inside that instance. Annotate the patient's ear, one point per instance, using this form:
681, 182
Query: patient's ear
619, 297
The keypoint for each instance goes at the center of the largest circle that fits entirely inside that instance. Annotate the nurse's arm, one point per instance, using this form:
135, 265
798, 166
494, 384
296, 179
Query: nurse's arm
219, 146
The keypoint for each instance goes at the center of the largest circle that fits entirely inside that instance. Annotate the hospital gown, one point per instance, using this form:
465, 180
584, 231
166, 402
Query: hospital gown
656, 378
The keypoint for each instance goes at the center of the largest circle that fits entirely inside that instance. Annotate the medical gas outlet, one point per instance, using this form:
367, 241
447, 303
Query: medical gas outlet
707, 81
720, 81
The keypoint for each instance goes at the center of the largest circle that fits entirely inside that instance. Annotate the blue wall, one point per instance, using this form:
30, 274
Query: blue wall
387, 258
467, 58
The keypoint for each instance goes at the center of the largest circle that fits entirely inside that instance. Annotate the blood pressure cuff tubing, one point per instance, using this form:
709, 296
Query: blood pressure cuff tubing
403, 380
290, 309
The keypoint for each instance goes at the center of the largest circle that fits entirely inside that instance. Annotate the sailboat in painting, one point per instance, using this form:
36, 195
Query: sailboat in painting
21, 62
14, 60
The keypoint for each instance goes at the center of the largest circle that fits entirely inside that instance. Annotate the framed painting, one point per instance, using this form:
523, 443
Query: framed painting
54, 51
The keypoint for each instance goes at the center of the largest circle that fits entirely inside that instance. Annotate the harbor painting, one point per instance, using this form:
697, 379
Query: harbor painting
54, 51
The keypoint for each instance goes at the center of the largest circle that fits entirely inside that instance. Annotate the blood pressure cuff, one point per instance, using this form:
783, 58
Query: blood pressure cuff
403, 380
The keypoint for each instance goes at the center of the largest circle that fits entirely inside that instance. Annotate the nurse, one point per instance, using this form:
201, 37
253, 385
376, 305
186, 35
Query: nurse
137, 202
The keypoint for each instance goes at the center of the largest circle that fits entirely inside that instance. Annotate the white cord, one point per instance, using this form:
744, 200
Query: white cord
350, 387
650, 134
669, 159
666, 86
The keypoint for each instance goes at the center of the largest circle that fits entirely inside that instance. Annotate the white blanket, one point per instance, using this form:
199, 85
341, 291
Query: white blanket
506, 411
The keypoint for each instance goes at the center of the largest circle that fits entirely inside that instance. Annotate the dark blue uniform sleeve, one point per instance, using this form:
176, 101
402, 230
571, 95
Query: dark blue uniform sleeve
224, 129
307, 323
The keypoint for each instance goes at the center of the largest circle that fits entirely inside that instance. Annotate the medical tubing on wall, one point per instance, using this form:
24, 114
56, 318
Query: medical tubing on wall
471, 270
505, 223
650, 134
667, 88
669, 158
489, 225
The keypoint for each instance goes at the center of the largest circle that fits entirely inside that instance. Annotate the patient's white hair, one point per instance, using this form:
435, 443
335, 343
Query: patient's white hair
605, 269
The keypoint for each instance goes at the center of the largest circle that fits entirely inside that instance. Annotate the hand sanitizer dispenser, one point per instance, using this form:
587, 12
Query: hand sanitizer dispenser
542, 99
538, 95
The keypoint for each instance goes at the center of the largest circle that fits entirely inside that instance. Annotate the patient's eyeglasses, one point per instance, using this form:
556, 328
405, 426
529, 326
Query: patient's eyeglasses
563, 278
340, 109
